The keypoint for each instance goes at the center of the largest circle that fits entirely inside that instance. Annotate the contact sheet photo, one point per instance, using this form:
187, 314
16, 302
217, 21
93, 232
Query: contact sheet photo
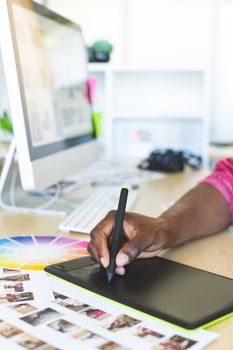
74, 318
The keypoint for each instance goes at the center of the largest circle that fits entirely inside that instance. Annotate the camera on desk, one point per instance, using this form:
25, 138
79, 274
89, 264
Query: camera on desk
170, 161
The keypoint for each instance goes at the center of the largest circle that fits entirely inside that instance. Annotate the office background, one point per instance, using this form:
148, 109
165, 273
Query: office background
170, 79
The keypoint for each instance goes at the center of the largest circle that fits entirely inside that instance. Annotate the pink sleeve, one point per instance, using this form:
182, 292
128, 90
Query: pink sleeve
222, 179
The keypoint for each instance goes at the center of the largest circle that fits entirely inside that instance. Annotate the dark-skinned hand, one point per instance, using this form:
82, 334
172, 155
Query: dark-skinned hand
142, 237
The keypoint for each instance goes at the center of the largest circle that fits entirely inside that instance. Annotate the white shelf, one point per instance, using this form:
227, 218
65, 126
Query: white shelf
121, 115
148, 106
157, 69
103, 67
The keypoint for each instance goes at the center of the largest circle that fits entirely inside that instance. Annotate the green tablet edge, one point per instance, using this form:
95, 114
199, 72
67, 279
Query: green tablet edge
207, 325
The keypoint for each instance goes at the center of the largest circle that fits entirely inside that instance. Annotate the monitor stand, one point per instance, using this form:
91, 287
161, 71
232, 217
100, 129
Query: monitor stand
14, 198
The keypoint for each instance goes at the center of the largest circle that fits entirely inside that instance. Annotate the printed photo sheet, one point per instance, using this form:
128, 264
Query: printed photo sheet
17, 286
77, 319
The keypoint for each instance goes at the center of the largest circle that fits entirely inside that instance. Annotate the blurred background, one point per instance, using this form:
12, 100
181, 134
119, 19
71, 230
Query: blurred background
168, 80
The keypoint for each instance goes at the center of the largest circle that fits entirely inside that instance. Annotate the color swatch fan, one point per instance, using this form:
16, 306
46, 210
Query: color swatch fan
35, 252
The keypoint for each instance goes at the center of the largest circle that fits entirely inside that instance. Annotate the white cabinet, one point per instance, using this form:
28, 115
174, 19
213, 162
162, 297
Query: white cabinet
152, 107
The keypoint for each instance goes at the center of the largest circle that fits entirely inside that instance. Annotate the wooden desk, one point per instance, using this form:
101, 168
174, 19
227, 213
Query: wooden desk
213, 253
217, 153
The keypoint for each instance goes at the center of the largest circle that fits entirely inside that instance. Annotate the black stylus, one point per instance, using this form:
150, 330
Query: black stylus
116, 240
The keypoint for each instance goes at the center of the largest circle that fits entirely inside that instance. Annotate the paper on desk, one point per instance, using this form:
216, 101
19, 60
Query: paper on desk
21, 286
122, 325
80, 320
103, 173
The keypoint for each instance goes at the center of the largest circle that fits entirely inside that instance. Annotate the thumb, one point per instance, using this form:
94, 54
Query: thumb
130, 251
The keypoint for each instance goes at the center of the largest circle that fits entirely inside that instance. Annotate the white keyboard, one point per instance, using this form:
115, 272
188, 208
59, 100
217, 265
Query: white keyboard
94, 208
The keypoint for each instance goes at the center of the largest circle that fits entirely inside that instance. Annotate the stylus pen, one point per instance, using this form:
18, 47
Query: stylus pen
116, 240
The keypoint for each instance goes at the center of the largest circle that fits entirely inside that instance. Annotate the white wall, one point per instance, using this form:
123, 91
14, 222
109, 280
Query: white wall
170, 32
174, 32
222, 98
99, 19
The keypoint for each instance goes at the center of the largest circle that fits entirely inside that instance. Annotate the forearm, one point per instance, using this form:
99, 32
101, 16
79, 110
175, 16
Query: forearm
201, 211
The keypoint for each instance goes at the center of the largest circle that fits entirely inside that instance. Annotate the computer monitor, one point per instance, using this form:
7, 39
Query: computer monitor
45, 65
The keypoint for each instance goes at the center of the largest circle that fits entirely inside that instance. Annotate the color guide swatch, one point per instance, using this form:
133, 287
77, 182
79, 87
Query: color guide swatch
36, 252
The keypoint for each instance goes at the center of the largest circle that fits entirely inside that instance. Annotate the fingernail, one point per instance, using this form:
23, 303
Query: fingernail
122, 259
120, 271
103, 262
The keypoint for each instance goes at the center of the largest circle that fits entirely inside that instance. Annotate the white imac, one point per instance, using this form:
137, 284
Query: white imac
45, 65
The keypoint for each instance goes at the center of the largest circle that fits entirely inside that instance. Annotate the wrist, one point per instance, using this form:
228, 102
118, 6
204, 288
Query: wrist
171, 225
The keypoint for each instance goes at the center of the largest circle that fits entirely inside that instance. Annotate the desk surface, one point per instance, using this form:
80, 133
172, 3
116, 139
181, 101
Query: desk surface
212, 253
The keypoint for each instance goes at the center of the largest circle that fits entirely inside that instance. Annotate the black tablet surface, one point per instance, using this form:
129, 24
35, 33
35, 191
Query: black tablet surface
177, 293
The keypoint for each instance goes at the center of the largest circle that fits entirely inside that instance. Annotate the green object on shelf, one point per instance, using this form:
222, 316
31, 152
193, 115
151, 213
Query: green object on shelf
5, 123
100, 51
96, 121
102, 46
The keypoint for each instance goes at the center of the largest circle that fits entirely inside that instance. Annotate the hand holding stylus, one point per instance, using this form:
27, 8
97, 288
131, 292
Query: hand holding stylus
142, 236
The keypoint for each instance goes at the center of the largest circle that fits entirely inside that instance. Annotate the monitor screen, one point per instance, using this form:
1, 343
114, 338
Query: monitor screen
51, 64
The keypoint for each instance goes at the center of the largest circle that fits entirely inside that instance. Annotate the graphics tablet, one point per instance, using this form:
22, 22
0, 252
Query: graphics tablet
176, 293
